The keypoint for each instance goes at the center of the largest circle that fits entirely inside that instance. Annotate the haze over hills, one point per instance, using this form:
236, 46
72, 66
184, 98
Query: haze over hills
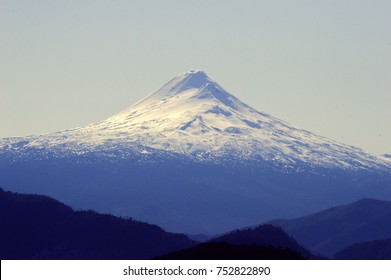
333, 229
193, 158
38, 227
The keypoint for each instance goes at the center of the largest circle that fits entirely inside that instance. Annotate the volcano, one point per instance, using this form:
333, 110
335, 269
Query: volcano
192, 157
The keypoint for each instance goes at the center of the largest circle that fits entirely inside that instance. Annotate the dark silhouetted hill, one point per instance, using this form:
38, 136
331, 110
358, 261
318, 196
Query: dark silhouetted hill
38, 227
264, 235
225, 251
371, 250
331, 230
263, 242
198, 237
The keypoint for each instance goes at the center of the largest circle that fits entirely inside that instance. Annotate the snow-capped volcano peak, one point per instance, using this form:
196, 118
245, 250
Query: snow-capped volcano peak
188, 80
193, 116
182, 83
188, 105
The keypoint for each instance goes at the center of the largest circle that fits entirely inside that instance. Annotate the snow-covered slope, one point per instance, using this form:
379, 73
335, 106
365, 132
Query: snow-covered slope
193, 116
386, 157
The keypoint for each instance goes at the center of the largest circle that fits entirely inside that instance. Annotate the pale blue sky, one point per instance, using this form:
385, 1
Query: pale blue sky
324, 66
